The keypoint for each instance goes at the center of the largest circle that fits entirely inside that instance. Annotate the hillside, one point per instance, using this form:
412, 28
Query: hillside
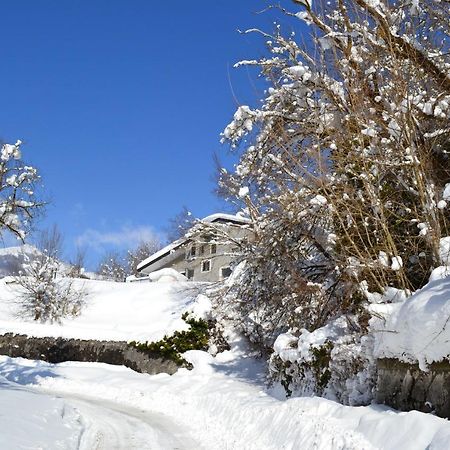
12, 258
113, 311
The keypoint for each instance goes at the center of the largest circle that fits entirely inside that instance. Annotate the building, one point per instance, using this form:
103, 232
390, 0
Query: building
207, 254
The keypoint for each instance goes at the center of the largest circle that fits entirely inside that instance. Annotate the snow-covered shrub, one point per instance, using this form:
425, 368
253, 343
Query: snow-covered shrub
173, 346
332, 361
343, 169
45, 295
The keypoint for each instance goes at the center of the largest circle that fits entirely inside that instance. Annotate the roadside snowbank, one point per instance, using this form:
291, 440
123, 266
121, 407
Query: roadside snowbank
25, 417
113, 311
417, 330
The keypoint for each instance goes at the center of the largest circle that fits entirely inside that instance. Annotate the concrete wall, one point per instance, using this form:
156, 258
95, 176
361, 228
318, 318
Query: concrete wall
405, 387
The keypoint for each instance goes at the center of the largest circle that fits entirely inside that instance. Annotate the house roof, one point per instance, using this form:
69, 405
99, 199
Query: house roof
213, 218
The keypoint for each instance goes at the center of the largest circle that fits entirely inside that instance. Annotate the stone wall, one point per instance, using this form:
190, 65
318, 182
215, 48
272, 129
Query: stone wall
56, 350
405, 387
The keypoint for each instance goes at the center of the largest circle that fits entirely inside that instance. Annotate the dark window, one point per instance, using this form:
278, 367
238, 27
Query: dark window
213, 249
206, 265
225, 272
189, 274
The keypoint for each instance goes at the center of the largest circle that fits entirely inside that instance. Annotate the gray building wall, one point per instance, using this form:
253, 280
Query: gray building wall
206, 265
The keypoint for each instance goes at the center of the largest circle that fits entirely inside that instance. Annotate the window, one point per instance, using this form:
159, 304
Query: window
206, 265
190, 253
225, 272
202, 249
189, 274
213, 249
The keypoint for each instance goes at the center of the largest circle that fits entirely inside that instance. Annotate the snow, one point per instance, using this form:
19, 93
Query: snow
28, 427
291, 348
418, 330
113, 311
220, 405
243, 192
166, 275
165, 250
446, 192
397, 263
227, 217
318, 200
58, 421
444, 250
12, 258
201, 309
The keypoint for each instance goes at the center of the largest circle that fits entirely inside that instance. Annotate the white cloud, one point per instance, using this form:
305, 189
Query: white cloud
126, 237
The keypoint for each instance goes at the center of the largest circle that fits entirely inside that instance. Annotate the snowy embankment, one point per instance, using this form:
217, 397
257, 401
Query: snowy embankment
113, 312
218, 405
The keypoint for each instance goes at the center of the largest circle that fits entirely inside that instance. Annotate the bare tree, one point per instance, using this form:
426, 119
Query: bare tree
143, 250
77, 264
180, 224
113, 266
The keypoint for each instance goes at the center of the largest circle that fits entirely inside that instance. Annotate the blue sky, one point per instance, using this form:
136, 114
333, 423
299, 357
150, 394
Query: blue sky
120, 105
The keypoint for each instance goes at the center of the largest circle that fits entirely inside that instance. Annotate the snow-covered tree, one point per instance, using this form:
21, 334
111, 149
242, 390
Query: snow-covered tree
45, 294
344, 168
18, 203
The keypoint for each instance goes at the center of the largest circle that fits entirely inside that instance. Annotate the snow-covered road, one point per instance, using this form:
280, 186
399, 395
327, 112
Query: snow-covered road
218, 405
108, 425
56, 420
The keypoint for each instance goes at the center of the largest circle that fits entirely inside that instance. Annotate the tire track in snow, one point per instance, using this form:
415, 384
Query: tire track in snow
108, 425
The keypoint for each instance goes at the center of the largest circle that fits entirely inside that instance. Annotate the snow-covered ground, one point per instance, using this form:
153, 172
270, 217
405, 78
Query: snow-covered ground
221, 404
114, 311
34, 419
218, 405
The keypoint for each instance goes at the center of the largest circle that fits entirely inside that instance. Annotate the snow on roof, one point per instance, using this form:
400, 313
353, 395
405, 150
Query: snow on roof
165, 250
227, 218
218, 217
